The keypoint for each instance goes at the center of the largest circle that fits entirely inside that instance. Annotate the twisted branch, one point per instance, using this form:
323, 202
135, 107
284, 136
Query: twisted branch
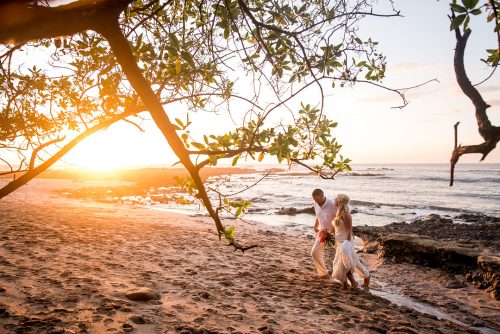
489, 132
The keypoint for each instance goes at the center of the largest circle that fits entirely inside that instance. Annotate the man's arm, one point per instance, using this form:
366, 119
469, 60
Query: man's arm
316, 224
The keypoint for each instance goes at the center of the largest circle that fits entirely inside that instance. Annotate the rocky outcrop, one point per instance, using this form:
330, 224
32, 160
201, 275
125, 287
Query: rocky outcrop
294, 211
437, 242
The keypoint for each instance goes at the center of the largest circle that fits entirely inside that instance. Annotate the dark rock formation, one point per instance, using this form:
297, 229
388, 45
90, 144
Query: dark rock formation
294, 211
468, 249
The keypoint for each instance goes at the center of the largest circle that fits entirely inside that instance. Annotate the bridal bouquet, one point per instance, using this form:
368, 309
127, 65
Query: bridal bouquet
326, 238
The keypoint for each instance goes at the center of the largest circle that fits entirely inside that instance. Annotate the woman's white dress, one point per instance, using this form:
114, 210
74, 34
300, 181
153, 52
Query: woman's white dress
346, 258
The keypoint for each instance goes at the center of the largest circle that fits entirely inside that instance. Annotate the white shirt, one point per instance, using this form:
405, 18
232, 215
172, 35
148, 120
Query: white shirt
325, 214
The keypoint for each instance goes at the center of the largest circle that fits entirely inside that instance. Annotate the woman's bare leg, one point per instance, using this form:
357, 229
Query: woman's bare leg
366, 282
351, 279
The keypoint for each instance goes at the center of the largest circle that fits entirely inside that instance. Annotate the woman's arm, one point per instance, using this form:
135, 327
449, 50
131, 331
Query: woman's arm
348, 225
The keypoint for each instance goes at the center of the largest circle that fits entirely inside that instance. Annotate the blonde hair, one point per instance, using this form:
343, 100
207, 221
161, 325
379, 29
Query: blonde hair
342, 208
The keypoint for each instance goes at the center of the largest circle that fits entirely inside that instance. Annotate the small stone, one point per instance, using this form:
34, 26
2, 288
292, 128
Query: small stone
237, 317
3, 312
323, 311
199, 320
434, 216
127, 327
454, 284
205, 295
143, 295
137, 319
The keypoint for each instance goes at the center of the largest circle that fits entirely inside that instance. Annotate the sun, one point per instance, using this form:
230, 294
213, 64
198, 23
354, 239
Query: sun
106, 150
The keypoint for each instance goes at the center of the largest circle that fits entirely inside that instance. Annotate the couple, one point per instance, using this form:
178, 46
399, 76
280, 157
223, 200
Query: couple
334, 217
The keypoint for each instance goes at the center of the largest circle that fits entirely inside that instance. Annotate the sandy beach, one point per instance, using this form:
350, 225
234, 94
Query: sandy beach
66, 266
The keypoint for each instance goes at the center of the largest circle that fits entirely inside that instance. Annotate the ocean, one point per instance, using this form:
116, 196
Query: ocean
380, 194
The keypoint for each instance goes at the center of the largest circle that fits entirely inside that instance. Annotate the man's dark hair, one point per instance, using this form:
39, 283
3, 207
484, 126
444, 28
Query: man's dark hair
318, 192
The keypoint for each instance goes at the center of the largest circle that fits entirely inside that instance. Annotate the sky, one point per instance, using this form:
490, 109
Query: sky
418, 47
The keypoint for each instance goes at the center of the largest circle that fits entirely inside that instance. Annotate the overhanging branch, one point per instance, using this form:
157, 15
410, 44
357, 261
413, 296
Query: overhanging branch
490, 133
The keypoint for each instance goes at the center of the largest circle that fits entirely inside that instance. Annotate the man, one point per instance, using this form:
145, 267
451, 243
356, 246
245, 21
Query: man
325, 210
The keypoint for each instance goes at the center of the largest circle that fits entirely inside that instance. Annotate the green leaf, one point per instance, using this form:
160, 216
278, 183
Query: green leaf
213, 159
173, 40
198, 145
179, 122
457, 21
188, 58
470, 4
238, 211
458, 8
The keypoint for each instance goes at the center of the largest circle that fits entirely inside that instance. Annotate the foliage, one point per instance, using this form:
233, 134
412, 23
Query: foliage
462, 13
188, 52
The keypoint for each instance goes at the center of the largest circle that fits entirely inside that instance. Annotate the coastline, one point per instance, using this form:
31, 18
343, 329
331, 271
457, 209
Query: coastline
69, 263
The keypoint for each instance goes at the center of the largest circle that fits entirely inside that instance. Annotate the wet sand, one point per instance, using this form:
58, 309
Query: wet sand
67, 265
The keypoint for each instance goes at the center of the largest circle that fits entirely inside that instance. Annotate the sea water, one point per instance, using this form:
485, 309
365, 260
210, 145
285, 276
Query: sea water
380, 194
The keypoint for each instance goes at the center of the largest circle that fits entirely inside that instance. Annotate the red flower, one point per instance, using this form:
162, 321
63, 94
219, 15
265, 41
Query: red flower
323, 235
326, 238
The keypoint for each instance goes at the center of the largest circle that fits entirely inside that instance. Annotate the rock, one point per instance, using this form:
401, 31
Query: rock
143, 295
323, 311
3, 312
205, 295
2, 289
371, 247
294, 211
127, 327
434, 216
437, 242
137, 319
237, 317
199, 320
454, 284
354, 211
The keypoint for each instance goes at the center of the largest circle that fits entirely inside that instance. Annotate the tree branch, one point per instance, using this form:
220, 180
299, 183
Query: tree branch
22, 22
121, 49
490, 133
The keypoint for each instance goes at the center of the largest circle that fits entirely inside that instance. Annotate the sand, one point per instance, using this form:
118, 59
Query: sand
66, 266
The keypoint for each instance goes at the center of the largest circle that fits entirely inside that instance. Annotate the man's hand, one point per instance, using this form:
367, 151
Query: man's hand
316, 229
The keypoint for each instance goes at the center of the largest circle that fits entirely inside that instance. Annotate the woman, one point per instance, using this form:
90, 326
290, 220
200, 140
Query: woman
346, 259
